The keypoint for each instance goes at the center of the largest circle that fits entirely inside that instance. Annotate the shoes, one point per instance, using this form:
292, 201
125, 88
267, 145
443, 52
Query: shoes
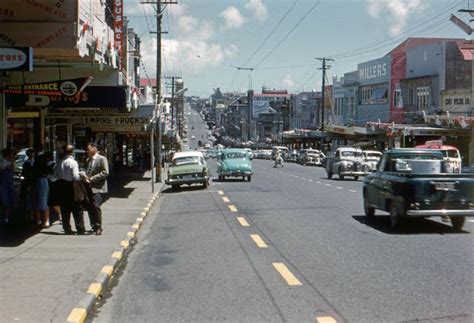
46, 224
39, 222
98, 232
81, 232
69, 232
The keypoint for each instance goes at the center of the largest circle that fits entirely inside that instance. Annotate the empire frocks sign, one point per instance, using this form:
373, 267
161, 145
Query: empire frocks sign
16, 58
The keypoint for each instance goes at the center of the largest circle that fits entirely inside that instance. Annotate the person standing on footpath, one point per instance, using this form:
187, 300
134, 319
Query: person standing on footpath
97, 171
26, 190
6, 184
67, 173
41, 171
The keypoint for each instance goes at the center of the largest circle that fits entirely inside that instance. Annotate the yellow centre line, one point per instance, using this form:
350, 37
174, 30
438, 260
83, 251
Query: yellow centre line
328, 185
232, 208
325, 319
225, 199
353, 191
286, 274
242, 221
220, 192
259, 241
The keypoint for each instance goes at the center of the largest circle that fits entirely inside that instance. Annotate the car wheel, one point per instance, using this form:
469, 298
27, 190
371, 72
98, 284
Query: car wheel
249, 178
175, 187
395, 218
329, 175
356, 178
341, 177
243, 178
369, 211
205, 184
458, 222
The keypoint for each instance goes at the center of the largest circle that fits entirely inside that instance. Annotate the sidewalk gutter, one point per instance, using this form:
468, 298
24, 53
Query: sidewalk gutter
80, 312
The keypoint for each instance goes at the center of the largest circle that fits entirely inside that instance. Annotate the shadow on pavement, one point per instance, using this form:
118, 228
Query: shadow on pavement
17, 232
409, 226
170, 190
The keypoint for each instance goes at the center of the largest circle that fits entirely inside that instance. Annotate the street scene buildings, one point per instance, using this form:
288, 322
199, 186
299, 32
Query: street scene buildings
236, 161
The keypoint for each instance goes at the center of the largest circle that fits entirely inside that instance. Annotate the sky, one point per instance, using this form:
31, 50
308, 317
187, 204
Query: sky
280, 39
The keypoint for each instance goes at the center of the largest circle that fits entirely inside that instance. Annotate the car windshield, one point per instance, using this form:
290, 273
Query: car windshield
372, 155
235, 155
450, 153
351, 154
187, 160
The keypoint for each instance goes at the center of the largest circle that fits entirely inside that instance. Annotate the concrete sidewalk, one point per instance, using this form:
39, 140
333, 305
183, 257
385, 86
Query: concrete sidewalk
43, 274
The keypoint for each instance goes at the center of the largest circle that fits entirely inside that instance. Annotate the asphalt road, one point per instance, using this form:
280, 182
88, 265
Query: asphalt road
290, 246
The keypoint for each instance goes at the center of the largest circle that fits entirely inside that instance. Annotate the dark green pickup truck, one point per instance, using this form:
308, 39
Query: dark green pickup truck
414, 183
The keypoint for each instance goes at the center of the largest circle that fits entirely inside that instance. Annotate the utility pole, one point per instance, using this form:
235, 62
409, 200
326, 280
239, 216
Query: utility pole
323, 68
249, 100
173, 79
159, 16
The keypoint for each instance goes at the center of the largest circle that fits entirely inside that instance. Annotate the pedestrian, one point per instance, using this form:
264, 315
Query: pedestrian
97, 171
6, 184
27, 184
40, 177
54, 196
67, 173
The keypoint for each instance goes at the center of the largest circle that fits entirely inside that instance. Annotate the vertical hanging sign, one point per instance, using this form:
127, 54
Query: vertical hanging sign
118, 28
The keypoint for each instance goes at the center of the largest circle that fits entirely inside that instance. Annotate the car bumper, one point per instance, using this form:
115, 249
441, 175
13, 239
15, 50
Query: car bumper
188, 181
236, 174
350, 173
442, 212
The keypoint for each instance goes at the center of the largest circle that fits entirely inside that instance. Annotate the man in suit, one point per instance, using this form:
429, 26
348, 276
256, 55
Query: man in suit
97, 170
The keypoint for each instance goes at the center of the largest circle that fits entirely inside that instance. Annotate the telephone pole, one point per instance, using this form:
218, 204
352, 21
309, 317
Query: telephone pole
159, 15
324, 68
173, 79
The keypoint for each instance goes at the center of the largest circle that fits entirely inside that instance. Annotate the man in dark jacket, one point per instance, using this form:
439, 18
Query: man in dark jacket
41, 171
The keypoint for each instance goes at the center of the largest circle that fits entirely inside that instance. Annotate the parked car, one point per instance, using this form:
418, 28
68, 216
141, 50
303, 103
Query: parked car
371, 159
234, 162
413, 182
249, 152
292, 156
346, 161
188, 168
312, 159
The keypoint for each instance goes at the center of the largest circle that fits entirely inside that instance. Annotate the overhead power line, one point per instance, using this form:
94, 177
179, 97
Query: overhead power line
287, 35
271, 33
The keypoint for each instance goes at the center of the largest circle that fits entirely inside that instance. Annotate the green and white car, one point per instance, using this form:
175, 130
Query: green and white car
188, 168
234, 162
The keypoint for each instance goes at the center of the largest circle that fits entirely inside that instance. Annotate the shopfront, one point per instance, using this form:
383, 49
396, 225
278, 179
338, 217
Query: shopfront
373, 91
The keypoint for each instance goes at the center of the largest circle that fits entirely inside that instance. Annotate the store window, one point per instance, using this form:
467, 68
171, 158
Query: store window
448, 101
397, 98
467, 101
458, 101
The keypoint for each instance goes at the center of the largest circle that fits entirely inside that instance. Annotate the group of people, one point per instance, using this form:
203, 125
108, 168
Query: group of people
59, 185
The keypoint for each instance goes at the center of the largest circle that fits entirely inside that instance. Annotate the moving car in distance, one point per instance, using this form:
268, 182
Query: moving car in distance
312, 157
371, 159
413, 182
451, 154
346, 161
234, 162
188, 168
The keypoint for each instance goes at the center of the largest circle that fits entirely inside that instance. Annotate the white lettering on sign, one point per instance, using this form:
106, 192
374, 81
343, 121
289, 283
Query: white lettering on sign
11, 58
372, 72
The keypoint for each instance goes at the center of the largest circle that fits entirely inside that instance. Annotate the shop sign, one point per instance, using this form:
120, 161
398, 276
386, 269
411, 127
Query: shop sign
115, 121
16, 58
118, 26
68, 88
375, 71
90, 97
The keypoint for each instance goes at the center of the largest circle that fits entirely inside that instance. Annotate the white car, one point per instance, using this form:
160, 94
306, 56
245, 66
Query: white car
193, 137
371, 159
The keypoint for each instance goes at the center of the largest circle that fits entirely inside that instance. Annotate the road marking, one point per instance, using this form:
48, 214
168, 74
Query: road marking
95, 288
232, 208
117, 254
131, 234
325, 319
125, 244
286, 274
225, 199
303, 178
340, 187
107, 270
297, 177
242, 221
259, 241
353, 191
328, 185
472, 221
220, 192
77, 315
310, 180
318, 182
